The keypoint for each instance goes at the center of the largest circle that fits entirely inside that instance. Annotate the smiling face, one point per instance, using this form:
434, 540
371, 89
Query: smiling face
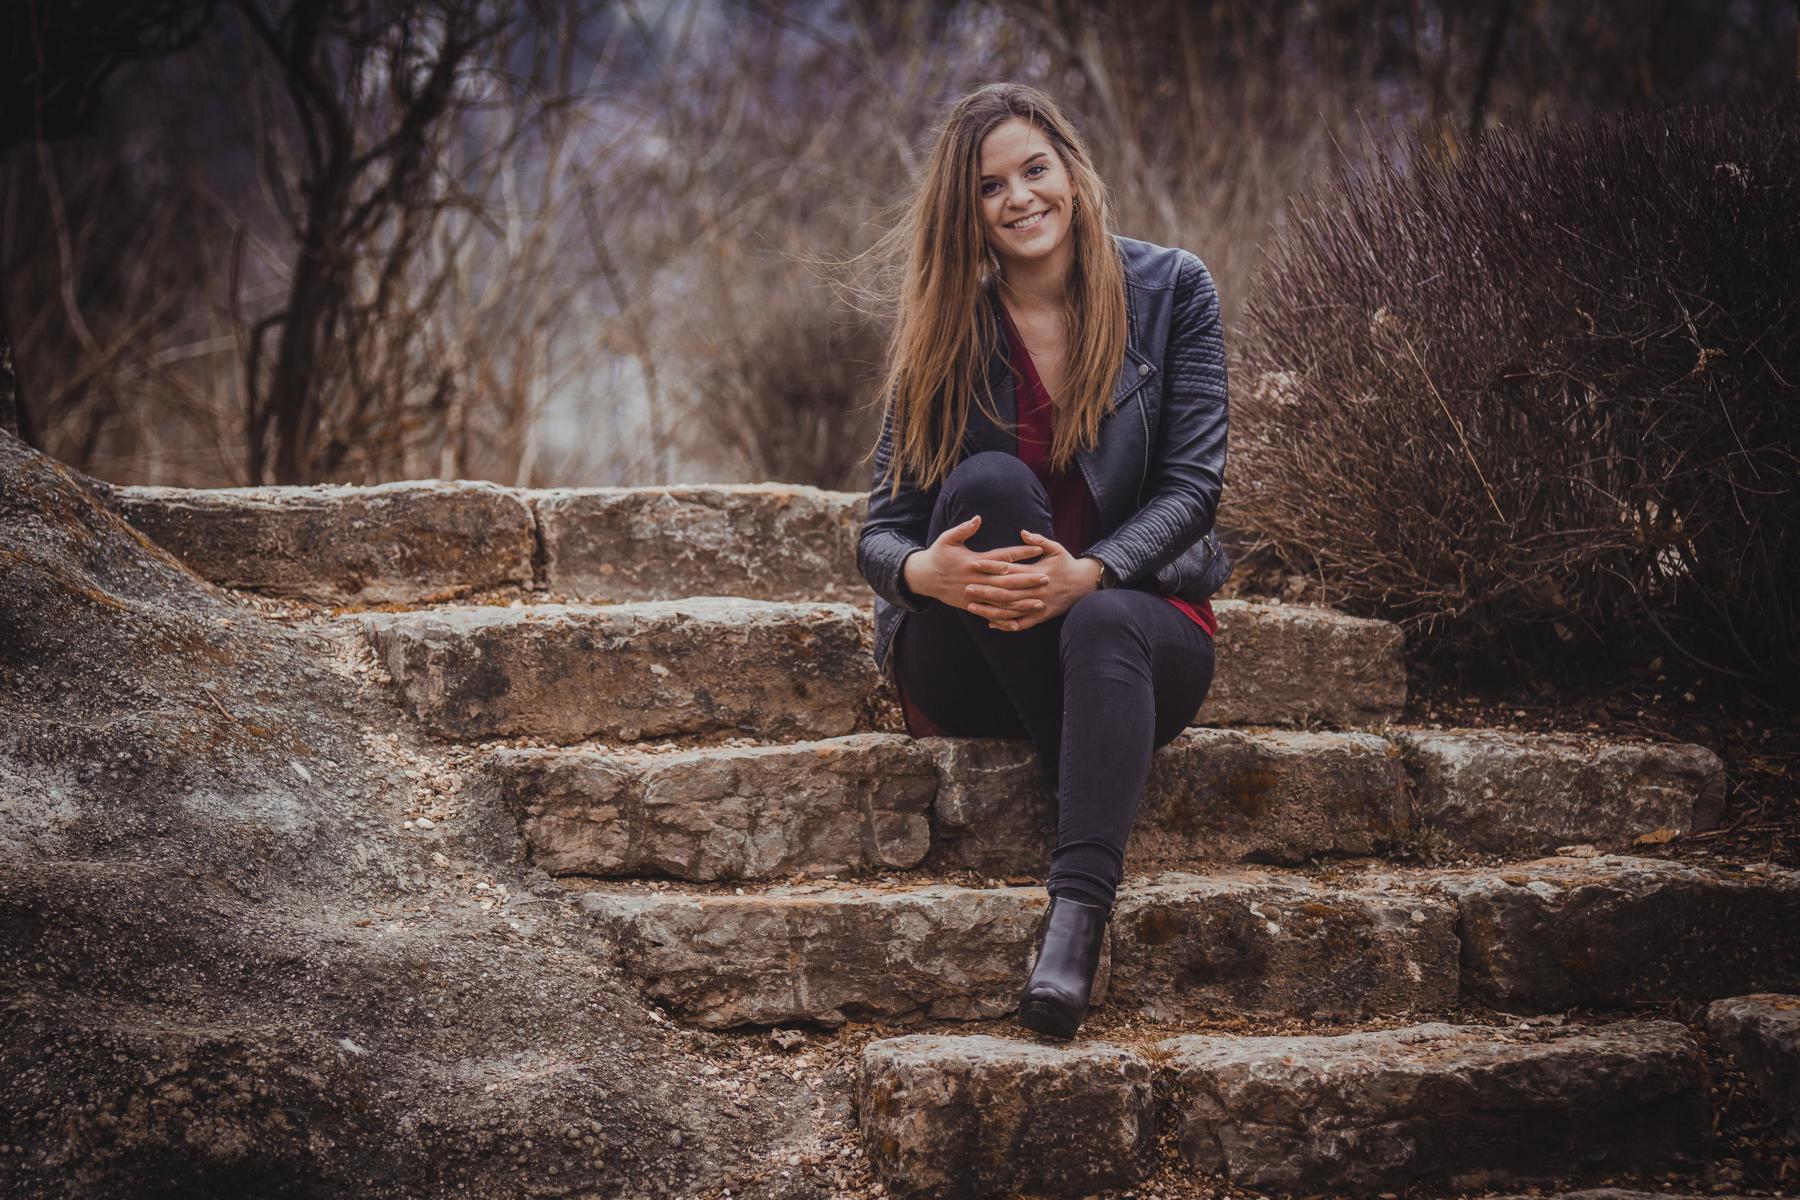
1023, 178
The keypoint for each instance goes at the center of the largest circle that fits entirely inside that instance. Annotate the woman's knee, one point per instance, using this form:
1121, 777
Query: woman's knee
1104, 620
990, 478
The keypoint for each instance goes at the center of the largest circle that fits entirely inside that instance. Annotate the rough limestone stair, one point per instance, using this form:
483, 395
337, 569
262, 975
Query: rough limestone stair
787, 670
1180, 946
416, 542
567, 672
1354, 1113
640, 657
1762, 1032
1615, 930
764, 541
1540, 936
405, 543
876, 801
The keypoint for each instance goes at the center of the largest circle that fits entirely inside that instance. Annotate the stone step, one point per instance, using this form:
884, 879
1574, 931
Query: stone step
834, 806
1507, 792
1449, 1105
1618, 930
951, 1117
1762, 1033
1179, 946
762, 541
1348, 1114
565, 672
628, 671
421, 541
1535, 937
879, 802
404, 543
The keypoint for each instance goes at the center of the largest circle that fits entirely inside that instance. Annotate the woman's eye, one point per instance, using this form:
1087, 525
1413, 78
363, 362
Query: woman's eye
987, 188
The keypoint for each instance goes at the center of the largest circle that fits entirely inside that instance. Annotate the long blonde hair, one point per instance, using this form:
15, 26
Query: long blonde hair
944, 332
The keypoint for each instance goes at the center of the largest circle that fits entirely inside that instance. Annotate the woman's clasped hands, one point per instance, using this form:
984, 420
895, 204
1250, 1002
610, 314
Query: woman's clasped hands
1014, 587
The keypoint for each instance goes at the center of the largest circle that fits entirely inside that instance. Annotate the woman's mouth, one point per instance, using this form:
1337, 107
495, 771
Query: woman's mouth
1031, 222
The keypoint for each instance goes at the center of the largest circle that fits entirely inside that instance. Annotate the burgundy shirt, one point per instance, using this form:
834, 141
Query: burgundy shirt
1075, 518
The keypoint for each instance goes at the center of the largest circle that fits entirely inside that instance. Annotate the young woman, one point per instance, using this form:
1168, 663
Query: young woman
1050, 460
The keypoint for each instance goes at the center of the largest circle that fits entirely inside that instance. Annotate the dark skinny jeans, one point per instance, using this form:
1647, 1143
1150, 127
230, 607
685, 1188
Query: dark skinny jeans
1096, 689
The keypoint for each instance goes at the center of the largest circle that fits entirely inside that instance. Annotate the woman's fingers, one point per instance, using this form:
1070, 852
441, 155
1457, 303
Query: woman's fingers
1017, 581
1000, 612
956, 535
1004, 574
996, 595
1001, 598
999, 561
1048, 545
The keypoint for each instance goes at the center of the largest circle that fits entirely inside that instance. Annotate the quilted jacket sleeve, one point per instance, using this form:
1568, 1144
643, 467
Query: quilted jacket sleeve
895, 527
1187, 469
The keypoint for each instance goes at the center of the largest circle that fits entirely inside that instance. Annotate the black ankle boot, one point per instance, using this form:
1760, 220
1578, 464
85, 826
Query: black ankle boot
1056, 996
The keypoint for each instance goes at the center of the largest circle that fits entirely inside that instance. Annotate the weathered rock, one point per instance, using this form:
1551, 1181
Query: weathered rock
1762, 1032
1282, 664
1519, 793
825, 955
1615, 929
1461, 1107
566, 672
861, 801
992, 813
763, 541
227, 970
1214, 794
1238, 942
394, 542
1255, 942
1270, 797
988, 1117
841, 805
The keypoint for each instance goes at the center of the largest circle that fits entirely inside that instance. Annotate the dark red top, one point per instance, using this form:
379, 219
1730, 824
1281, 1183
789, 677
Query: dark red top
1075, 519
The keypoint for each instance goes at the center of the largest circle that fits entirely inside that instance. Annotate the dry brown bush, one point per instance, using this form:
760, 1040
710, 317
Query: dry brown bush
1541, 400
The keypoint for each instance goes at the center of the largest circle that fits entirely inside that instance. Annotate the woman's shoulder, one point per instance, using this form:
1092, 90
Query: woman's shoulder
1148, 265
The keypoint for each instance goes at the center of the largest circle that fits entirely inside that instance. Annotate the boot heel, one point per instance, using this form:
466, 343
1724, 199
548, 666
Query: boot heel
1040, 1016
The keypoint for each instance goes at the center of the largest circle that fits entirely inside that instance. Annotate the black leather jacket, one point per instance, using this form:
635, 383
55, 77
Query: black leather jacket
1155, 473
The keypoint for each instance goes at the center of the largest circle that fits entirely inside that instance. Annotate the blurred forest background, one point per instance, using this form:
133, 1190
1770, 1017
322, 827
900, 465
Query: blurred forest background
575, 241
1507, 284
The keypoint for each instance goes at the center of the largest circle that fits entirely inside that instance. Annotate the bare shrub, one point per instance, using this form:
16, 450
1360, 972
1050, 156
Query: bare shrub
1542, 399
